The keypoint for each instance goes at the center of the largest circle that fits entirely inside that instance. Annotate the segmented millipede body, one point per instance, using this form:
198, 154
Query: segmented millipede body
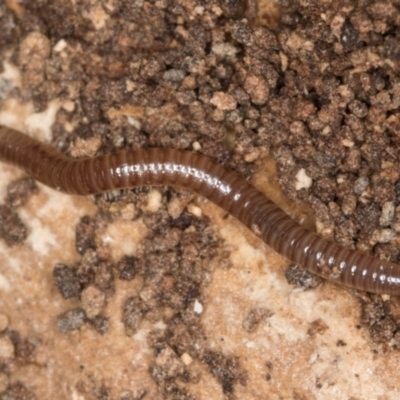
129, 168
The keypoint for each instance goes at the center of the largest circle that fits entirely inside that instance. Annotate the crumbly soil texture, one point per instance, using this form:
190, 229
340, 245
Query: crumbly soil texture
316, 84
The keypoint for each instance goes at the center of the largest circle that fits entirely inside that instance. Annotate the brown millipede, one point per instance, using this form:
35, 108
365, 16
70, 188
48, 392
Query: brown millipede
128, 168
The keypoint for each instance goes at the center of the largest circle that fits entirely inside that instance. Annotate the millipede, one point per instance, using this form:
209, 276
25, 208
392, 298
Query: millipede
169, 167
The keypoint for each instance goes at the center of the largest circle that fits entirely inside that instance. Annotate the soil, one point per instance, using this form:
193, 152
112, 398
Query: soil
119, 307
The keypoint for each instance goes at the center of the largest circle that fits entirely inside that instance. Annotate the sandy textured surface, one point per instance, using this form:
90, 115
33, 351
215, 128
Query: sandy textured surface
307, 344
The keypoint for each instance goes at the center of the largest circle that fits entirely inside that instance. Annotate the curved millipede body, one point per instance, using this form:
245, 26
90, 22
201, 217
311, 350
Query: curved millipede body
129, 168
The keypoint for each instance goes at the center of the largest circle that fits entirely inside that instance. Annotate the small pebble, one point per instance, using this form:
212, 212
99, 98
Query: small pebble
361, 184
194, 210
303, 181
358, 108
154, 202
186, 359
174, 75
71, 320
66, 281
223, 101
257, 88
383, 236
198, 307
387, 215
175, 207
101, 324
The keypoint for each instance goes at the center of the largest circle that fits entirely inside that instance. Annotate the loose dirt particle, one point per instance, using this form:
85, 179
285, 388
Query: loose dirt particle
254, 318
257, 88
301, 278
388, 211
127, 268
85, 235
100, 323
19, 191
71, 320
34, 50
317, 327
132, 314
223, 101
12, 230
66, 281
169, 362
